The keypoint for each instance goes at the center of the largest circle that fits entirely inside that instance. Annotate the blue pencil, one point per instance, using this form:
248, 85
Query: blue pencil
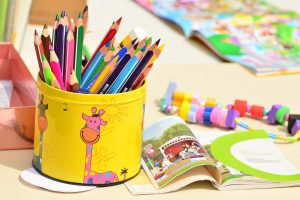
97, 59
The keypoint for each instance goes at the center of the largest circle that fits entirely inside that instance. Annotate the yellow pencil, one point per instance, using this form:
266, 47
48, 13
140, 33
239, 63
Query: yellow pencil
103, 76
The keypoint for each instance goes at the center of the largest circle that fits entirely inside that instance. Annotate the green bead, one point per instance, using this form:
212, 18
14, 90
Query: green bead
162, 104
281, 113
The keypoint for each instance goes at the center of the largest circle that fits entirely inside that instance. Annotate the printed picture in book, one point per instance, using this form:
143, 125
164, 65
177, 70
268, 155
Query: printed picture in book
171, 150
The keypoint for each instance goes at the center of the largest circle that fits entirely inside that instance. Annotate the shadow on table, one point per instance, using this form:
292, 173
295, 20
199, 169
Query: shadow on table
17, 159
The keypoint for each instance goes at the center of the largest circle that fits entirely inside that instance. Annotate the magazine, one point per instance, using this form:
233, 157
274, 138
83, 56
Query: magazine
173, 157
252, 33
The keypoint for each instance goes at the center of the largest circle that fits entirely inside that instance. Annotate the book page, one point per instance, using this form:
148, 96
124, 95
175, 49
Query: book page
255, 34
206, 139
169, 150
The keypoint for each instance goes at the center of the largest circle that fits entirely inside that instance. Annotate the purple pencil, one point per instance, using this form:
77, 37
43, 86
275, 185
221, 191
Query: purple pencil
61, 42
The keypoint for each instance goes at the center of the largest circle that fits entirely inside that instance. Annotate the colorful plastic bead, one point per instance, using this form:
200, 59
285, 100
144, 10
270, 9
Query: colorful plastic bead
271, 116
223, 116
296, 127
210, 102
184, 109
178, 96
280, 114
240, 106
291, 121
176, 103
193, 107
199, 114
215, 116
257, 111
187, 97
195, 98
230, 120
206, 115
192, 116
162, 104
169, 94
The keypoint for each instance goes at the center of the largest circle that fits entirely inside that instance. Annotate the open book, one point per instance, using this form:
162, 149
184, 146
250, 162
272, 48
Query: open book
252, 33
173, 157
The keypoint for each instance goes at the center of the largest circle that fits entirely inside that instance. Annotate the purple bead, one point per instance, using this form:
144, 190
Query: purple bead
230, 120
296, 127
271, 116
168, 108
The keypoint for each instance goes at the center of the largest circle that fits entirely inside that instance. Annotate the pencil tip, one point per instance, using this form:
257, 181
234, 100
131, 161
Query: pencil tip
62, 13
157, 42
51, 48
44, 57
107, 44
45, 26
86, 8
119, 21
80, 15
148, 40
135, 46
162, 47
35, 32
133, 41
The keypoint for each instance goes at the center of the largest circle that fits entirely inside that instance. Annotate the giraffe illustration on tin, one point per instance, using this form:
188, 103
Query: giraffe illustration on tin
90, 135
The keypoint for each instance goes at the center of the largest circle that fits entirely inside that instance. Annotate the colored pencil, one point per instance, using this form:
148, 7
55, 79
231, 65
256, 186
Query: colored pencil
86, 52
61, 41
119, 68
146, 71
74, 85
46, 70
108, 37
54, 81
89, 70
55, 68
85, 17
54, 31
45, 37
127, 71
139, 69
122, 52
69, 59
78, 47
39, 51
102, 77
108, 57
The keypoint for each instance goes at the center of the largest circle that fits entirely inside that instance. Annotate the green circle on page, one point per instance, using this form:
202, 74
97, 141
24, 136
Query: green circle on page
221, 150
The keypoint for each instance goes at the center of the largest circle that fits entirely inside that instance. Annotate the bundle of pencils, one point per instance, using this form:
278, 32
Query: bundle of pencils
112, 68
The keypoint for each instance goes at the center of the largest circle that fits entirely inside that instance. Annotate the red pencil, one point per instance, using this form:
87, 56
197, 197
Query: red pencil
108, 37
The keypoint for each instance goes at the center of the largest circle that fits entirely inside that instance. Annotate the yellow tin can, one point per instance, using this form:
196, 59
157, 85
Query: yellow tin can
89, 139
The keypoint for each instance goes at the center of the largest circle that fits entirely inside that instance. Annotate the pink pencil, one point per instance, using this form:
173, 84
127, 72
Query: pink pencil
69, 59
55, 67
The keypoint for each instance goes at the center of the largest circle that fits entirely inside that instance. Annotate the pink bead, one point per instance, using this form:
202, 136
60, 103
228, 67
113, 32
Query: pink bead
199, 114
286, 117
195, 98
215, 116
229, 106
248, 108
223, 116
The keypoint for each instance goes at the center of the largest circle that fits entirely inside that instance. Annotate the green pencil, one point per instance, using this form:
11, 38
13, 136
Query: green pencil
78, 47
46, 70
3, 14
86, 52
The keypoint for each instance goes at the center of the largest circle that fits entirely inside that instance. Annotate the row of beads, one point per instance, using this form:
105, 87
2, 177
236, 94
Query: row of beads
211, 116
209, 111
